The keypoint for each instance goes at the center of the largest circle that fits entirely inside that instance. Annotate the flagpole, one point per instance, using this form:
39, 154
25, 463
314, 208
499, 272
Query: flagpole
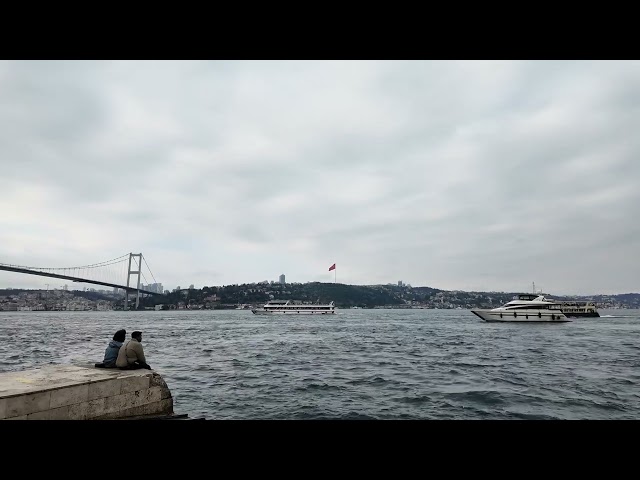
335, 273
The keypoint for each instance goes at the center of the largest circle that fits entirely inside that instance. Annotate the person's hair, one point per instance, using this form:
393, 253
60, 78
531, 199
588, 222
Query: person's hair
136, 334
120, 335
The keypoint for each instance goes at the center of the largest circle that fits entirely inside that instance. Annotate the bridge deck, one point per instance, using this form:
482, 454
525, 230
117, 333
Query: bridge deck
74, 279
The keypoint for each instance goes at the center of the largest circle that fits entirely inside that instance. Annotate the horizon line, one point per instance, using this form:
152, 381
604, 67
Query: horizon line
270, 282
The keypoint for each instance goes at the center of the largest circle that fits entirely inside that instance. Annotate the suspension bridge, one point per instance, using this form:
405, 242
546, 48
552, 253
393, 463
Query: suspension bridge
110, 273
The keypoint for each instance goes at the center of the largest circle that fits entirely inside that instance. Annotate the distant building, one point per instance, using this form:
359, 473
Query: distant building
152, 287
399, 283
282, 279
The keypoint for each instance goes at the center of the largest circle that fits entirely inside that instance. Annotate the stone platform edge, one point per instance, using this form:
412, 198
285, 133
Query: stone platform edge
65, 392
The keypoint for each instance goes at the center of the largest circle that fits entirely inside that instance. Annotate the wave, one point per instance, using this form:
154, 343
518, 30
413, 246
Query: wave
387, 367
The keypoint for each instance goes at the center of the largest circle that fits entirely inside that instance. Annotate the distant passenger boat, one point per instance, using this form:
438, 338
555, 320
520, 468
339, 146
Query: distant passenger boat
285, 307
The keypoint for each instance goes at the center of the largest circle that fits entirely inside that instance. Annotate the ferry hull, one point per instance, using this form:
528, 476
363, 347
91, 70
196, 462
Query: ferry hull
521, 316
291, 312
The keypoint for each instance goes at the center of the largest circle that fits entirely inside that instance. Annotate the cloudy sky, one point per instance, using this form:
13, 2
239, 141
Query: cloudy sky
469, 175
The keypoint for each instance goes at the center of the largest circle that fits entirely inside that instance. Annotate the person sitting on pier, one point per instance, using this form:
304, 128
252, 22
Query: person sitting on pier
111, 353
131, 355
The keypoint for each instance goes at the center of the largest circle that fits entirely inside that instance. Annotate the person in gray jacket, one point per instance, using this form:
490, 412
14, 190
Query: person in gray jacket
131, 355
111, 353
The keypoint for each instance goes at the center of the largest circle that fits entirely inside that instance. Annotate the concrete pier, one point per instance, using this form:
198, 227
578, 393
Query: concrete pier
70, 392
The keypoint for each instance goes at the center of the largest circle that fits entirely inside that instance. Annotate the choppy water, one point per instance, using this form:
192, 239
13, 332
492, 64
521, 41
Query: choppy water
418, 364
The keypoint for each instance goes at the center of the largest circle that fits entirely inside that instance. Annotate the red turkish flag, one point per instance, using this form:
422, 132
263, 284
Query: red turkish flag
332, 267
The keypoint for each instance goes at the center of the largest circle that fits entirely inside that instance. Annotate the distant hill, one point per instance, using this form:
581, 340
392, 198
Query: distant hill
344, 296
365, 296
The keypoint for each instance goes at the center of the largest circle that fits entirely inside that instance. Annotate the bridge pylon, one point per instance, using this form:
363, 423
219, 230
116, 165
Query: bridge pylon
133, 272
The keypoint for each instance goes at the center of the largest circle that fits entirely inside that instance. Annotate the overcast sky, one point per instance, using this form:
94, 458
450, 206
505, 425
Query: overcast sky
465, 175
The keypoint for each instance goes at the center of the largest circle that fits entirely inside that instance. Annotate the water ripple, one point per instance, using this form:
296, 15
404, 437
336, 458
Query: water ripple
362, 364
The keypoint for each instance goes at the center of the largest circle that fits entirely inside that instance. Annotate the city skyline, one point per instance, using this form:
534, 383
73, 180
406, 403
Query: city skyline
96, 288
456, 175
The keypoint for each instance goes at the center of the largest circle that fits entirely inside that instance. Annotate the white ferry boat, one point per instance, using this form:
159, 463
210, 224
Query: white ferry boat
579, 309
287, 307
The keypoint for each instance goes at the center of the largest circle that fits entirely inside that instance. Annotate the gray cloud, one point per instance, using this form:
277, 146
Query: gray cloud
456, 175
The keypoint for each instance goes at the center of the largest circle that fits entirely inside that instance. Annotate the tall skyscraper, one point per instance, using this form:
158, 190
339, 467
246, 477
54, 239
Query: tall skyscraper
282, 279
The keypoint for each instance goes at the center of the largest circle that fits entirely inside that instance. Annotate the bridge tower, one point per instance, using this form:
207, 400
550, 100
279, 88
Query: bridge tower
133, 272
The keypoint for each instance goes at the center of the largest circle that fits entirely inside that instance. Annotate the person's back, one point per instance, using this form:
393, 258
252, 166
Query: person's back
111, 352
131, 354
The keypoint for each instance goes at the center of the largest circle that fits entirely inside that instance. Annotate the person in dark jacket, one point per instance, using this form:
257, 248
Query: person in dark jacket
111, 353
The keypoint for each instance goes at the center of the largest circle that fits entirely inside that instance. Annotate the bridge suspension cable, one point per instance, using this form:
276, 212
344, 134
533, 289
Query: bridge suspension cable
93, 265
145, 262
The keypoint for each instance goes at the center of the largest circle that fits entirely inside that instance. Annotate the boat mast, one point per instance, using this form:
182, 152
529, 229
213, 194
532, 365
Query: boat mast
534, 288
